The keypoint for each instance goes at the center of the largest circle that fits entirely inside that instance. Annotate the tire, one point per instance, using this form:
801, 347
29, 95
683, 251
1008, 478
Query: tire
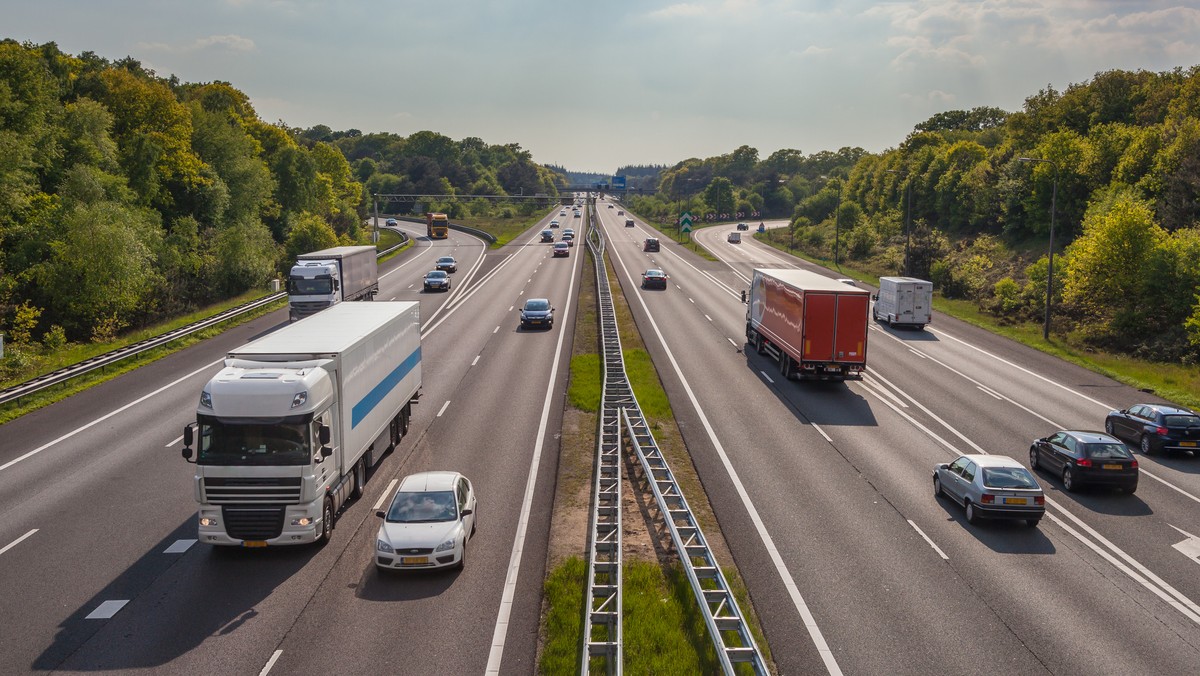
1147, 447
1032, 523
785, 366
759, 343
1033, 459
937, 488
360, 478
1070, 483
1108, 427
462, 561
1131, 489
972, 517
404, 417
326, 523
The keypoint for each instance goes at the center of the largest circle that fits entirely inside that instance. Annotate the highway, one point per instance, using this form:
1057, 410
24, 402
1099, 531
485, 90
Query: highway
822, 490
98, 540
824, 493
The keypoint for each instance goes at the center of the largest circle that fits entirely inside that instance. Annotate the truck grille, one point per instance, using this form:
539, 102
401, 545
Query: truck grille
253, 490
253, 523
306, 309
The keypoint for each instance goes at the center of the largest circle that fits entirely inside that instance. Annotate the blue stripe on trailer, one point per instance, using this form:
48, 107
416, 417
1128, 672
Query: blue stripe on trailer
368, 403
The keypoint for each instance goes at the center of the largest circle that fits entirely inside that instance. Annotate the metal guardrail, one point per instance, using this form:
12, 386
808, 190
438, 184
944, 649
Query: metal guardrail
100, 361
603, 637
727, 626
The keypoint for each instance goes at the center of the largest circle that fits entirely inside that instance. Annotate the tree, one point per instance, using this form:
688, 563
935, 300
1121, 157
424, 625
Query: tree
718, 195
309, 233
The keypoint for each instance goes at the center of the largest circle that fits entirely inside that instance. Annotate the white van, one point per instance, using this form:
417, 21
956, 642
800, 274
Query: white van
735, 237
904, 301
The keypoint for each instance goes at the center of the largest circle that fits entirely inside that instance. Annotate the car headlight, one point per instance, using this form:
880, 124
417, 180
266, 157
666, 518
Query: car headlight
384, 547
446, 546
207, 521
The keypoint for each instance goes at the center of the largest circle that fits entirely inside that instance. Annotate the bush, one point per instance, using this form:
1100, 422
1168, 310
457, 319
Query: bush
1007, 295
55, 338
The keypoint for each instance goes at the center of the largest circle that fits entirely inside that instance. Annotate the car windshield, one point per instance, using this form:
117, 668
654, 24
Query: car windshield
1181, 421
1008, 477
436, 274
446, 259
1108, 450
537, 305
423, 507
229, 442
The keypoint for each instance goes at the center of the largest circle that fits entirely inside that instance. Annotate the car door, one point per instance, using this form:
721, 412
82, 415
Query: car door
1126, 426
953, 480
1056, 451
968, 481
465, 502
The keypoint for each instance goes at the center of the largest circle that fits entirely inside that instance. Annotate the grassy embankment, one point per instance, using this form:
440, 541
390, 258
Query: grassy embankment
663, 630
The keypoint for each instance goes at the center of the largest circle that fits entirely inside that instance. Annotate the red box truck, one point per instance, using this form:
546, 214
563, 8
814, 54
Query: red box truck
816, 327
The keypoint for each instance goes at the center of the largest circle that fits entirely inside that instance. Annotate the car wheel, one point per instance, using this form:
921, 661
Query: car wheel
1146, 447
360, 478
1108, 427
1069, 481
1131, 489
1033, 459
937, 488
462, 560
326, 523
972, 517
1032, 523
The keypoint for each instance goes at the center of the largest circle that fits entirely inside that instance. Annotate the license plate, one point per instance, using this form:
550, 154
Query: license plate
1187, 443
414, 560
1015, 501
1113, 466
254, 543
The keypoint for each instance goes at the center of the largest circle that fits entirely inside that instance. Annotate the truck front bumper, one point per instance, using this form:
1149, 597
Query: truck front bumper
259, 525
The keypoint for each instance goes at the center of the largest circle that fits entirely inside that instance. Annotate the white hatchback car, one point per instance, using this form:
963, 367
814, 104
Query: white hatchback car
428, 524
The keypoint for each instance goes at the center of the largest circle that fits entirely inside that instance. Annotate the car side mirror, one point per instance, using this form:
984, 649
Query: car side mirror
467, 512
944, 465
381, 514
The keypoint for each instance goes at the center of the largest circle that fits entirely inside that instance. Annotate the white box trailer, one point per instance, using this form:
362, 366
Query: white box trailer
287, 429
904, 301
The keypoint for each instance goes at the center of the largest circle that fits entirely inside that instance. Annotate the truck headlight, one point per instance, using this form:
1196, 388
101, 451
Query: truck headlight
445, 546
302, 521
384, 547
206, 399
300, 398
208, 521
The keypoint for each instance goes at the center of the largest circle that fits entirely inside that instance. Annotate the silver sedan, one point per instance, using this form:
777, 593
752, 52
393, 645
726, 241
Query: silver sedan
992, 487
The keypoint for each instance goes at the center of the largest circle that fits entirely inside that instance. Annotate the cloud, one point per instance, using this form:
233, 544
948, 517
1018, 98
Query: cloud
934, 96
813, 50
920, 48
679, 10
232, 43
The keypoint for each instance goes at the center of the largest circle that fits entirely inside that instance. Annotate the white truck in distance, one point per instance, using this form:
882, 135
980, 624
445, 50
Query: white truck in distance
287, 429
324, 278
904, 301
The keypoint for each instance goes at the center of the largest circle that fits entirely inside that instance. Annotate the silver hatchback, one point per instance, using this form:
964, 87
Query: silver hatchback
991, 487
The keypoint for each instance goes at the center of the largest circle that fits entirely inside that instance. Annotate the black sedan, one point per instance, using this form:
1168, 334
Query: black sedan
437, 279
537, 312
1156, 427
446, 263
1084, 458
654, 279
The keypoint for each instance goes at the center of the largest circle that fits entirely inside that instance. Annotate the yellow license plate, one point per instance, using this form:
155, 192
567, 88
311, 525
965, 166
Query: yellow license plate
414, 560
1113, 466
254, 543
1187, 443
1015, 501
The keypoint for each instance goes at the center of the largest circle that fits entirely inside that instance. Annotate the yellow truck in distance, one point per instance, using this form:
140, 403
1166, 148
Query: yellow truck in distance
437, 225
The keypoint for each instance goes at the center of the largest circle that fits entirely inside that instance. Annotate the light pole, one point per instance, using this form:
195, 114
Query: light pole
907, 218
1050, 264
837, 215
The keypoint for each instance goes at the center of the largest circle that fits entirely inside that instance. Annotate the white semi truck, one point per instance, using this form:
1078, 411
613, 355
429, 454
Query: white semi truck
286, 431
327, 277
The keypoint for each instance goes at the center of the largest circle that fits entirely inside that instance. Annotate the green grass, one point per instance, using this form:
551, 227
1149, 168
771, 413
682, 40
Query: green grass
563, 625
503, 229
646, 387
584, 393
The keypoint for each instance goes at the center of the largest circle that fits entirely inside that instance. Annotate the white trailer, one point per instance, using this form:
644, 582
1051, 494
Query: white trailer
287, 430
325, 278
904, 301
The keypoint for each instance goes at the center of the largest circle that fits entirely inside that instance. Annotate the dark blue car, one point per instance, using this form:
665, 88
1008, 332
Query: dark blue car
1155, 427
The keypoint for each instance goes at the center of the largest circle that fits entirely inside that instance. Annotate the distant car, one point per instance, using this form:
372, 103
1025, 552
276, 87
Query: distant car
563, 212
554, 223
629, 223
437, 280
735, 238
562, 249
428, 523
610, 206
1082, 458
620, 212
1156, 427
569, 231
578, 215
743, 226
992, 487
391, 223
654, 279
446, 263
651, 244
762, 227
547, 235
537, 312
569, 238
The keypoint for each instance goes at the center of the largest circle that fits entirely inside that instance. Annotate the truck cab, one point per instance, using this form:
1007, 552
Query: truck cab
313, 285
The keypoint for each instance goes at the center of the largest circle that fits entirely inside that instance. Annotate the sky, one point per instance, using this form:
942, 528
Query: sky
592, 86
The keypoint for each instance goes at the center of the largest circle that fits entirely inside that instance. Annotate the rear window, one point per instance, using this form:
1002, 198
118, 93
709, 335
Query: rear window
1181, 421
1108, 451
1008, 477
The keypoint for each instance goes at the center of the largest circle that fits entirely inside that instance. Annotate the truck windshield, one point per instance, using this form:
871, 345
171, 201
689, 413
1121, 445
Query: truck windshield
272, 443
321, 285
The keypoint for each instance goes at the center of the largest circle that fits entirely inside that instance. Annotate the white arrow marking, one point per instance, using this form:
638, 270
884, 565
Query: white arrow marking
1189, 547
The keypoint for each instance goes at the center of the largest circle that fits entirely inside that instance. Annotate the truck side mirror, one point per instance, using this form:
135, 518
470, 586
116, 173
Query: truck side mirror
187, 435
326, 451
875, 296
323, 435
187, 453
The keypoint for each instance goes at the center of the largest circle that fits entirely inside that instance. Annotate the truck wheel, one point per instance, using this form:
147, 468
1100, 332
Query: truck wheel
360, 478
404, 415
326, 523
785, 366
760, 345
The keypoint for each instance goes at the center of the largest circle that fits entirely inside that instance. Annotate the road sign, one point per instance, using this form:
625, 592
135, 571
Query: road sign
685, 221
618, 182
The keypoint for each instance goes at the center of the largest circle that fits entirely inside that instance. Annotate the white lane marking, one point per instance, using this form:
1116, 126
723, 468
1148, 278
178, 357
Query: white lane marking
108, 415
708, 318
394, 297
443, 409
1167, 484
107, 609
692, 301
475, 360
18, 541
174, 441
820, 431
884, 391
989, 392
270, 663
764, 375
931, 543
511, 307
789, 583
918, 353
179, 546
499, 635
1189, 547
384, 495
521, 292
731, 341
